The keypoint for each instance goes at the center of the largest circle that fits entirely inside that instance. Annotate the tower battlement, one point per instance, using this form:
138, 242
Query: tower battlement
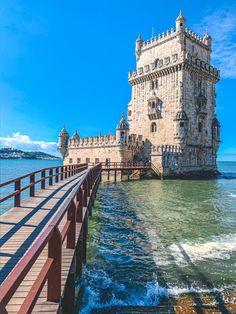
170, 34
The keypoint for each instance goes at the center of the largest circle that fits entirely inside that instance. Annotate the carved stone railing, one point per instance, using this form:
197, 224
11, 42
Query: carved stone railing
161, 149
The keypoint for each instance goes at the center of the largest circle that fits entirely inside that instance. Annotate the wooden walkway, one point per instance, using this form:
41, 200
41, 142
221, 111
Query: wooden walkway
26, 261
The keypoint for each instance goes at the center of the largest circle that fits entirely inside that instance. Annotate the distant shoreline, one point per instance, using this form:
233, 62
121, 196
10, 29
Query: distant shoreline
16, 154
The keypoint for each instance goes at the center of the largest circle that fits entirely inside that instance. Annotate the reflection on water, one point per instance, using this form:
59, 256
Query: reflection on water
151, 239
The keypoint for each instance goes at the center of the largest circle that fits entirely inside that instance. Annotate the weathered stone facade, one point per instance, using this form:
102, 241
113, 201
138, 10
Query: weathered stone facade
172, 109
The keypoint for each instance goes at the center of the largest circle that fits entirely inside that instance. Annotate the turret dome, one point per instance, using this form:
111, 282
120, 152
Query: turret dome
122, 125
75, 135
181, 115
64, 132
215, 122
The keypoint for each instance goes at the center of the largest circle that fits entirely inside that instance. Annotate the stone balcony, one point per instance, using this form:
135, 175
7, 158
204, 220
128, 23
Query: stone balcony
154, 113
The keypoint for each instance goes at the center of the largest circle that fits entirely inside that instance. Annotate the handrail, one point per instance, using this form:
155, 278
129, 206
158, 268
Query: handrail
51, 270
60, 173
129, 165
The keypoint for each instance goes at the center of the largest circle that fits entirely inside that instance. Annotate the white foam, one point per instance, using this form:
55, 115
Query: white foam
217, 248
232, 195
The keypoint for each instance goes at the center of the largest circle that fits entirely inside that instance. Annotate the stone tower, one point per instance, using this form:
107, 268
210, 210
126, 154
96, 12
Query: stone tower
63, 139
174, 99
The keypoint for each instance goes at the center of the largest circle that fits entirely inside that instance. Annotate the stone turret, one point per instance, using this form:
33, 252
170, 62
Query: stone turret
207, 39
75, 136
63, 139
181, 120
122, 131
138, 45
180, 22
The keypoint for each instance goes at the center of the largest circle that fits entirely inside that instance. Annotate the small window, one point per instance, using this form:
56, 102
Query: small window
129, 113
87, 160
96, 160
181, 124
70, 160
153, 105
199, 127
153, 127
181, 24
78, 160
156, 84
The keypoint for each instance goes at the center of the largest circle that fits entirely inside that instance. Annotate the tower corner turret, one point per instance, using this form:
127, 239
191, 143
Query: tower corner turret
63, 139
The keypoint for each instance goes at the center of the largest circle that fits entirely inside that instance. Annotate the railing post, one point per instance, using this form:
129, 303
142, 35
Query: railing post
85, 231
70, 244
85, 194
50, 176
62, 169
79, 217
66, 174
32, 188
54, 277
18, 196
43, 179
57, 175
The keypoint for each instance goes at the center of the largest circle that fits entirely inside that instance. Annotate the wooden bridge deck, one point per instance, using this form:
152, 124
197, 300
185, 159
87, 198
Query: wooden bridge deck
21, 227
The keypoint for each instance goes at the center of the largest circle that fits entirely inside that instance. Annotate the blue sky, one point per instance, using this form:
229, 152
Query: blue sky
67, 62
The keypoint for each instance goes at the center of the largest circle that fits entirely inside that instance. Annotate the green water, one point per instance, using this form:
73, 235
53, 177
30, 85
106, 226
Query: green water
155, 238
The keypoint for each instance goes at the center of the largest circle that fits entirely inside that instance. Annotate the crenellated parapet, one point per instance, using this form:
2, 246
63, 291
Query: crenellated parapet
171, 64
169, 34
101, 141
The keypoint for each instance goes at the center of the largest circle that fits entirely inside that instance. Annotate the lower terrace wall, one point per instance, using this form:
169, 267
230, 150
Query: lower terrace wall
115, 153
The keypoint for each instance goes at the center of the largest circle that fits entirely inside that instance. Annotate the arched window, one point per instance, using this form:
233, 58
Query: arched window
199, 126
156, 62
153, 105
153, 127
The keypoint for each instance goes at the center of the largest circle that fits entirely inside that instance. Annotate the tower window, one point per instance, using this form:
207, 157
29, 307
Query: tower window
153, 105
96, 160
87, 160
181, 24
153, 127
78, 160
200, 127
129, 113
70, 160
181, 124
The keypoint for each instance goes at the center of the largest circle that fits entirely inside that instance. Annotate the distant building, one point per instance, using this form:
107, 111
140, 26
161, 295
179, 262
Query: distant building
171, 115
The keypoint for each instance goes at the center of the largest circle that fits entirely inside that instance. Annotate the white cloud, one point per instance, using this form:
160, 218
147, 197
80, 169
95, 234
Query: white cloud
222, 27
24, 142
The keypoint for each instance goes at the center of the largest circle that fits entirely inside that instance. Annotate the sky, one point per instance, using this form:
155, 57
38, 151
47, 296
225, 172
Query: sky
66, 62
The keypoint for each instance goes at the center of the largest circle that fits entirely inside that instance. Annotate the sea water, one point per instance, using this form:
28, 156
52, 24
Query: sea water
154, 239
13, 168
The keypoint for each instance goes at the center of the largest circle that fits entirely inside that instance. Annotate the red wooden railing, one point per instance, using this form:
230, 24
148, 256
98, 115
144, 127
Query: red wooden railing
126, 165
57, 173
51, 236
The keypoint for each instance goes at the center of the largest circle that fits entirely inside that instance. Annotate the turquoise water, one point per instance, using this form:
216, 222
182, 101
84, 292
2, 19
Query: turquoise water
150, 239
10, 169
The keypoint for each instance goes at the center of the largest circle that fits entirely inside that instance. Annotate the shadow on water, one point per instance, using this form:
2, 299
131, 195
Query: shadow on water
121, 272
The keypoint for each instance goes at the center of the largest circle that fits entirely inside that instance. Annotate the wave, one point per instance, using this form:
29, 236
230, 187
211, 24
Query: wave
232, 195
218, 248
102, 293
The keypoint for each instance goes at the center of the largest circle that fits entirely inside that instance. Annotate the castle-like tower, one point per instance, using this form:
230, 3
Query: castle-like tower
174, 99
171, 115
